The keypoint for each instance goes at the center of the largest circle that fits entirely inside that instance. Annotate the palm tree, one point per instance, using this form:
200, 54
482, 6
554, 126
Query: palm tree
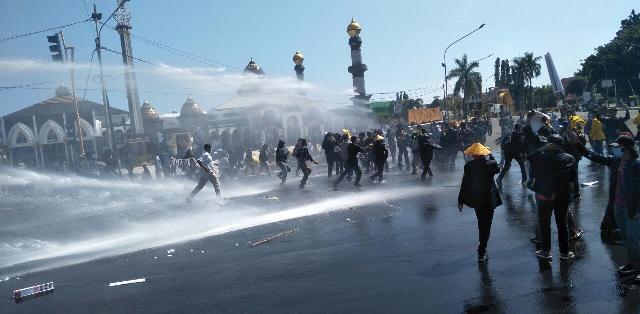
469, 81
530, 69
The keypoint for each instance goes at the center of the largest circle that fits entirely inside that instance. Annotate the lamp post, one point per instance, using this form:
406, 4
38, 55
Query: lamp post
444, 63
105, 98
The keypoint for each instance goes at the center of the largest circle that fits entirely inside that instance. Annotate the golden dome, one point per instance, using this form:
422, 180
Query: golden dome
298, 57
190, 108
353, 28
148, 112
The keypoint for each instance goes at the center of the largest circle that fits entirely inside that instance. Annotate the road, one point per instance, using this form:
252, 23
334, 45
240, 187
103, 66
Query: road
398, 247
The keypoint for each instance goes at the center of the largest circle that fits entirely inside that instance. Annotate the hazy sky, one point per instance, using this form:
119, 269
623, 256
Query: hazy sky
403, 42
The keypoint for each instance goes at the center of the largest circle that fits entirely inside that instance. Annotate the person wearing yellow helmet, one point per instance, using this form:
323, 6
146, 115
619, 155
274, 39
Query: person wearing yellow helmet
479, 191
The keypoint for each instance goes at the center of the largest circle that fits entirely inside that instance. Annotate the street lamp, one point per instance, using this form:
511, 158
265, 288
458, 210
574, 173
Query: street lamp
444, 62
105, 98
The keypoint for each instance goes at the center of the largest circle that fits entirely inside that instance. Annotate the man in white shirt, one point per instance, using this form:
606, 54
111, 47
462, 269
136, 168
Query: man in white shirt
208, 173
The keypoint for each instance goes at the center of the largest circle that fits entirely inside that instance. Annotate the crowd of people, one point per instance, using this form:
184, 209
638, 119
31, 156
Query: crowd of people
547, 146
548, 149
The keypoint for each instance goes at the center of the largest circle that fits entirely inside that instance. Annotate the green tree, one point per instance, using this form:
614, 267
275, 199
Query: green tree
496, 73
468, 81
617, 60
530, 69
518, 86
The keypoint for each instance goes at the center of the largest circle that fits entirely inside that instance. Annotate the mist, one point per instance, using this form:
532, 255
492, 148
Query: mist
64, 220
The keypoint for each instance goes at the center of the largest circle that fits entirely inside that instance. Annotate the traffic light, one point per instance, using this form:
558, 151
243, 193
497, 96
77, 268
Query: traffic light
55, 48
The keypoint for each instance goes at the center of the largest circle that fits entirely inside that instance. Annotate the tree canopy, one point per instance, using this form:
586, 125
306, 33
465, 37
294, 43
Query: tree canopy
617, 60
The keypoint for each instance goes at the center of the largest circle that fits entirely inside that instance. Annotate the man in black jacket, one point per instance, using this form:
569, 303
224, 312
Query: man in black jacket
281, 161
351, 164
380, 155
513, 148
426, 154
552, 178
479, 191
303, 156
329, 144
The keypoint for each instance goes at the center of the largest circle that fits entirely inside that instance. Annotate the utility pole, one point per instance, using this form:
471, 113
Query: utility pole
105, 98
73, 90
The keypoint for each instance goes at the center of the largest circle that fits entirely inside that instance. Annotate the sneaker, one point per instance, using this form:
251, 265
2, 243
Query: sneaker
535, 240
627, 269
483, 257
567, 256
576, 235
543, 254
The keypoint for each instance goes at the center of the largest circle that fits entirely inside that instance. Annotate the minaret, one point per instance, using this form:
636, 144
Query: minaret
298, 58
123, 17
357, 68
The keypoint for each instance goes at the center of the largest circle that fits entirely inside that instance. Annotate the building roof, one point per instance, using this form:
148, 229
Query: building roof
62, 103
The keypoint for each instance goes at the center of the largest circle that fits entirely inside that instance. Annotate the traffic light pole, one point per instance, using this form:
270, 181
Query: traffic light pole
73, 91
105, 98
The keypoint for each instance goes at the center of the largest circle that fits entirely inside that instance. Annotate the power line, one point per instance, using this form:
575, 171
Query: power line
29, 85
132, 57
179, 52
42, 31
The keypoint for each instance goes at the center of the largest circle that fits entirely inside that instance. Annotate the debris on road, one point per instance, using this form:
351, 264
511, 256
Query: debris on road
20, 294
126, 282
265, 240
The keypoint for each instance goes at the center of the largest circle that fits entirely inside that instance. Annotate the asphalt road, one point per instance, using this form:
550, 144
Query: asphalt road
398, 247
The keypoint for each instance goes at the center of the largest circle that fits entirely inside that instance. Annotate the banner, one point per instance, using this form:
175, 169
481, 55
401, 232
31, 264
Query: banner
424, 115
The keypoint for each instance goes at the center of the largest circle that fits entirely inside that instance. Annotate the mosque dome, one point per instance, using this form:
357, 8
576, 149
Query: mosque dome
148, 112
190, 108
353, 28
253, 68
63, 91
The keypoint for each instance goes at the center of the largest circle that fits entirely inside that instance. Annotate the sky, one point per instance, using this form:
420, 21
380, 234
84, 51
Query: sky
403, 44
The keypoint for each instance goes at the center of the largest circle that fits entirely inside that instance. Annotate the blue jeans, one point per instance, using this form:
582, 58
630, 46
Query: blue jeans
630, 231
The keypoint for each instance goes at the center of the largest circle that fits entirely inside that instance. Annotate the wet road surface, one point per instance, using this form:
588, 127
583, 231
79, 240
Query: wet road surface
398, 247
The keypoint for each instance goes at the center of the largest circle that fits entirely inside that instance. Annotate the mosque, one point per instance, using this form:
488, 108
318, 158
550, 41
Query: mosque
53, 132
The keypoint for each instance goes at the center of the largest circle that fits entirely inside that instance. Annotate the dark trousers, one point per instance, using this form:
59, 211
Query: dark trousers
203, 181
485, 217
347, 169
560, 210
306, 171
392, 150
426, 168
379, 164
403, 152
508, 157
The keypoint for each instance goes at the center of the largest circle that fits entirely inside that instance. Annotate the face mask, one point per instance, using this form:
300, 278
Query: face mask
617, 151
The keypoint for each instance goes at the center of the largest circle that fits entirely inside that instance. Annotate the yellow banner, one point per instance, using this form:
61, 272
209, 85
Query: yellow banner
424, 115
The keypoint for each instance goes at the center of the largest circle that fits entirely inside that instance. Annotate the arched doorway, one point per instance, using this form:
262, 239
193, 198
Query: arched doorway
22, 145
214, 135
236, 137
53, 148
225, 139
